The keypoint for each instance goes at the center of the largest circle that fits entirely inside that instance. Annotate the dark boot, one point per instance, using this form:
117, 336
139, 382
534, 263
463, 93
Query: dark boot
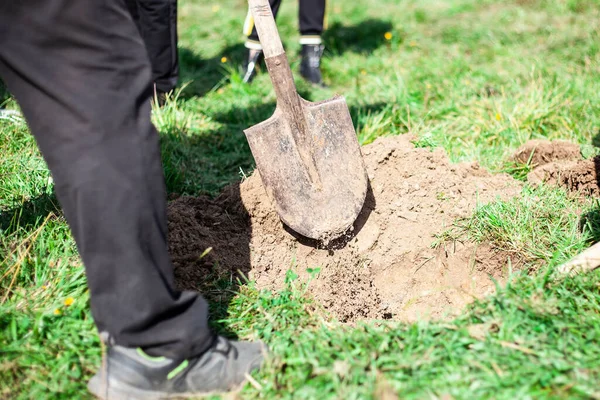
254, 58
311, 62
131, 374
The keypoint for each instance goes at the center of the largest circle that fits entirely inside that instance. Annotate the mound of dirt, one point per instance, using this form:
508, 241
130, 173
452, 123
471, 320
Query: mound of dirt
541, 152
560, 163
385, 268
577, 176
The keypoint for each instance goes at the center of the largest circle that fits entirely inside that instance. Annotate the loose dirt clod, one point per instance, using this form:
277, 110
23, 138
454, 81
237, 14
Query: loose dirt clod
560, 163
541, 152
576, 176
385, 268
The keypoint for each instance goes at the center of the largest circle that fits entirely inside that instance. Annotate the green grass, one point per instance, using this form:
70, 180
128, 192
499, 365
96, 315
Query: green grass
476, 77
542, 225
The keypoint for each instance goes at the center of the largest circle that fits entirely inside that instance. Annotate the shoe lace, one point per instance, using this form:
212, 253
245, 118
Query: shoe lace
224, 347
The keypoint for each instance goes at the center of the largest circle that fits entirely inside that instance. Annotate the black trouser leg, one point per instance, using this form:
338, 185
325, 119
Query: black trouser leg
311, 15
253, 36
157, 22
80, 72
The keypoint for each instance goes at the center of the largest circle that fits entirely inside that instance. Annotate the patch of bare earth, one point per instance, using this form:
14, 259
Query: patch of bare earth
560, 163
540, 152
385, 268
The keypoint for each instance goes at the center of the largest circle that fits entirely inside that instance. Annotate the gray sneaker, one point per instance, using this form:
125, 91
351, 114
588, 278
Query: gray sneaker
131, 374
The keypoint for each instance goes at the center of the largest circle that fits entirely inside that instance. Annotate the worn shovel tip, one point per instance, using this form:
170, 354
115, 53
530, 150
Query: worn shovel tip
324, 232
317, 184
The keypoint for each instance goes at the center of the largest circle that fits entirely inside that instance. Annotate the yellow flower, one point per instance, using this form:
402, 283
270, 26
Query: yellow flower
57, 311
498, 117
363, 72
220, 91
69, 301
223, 59
412, 43
428, 85
387, 35
215, 8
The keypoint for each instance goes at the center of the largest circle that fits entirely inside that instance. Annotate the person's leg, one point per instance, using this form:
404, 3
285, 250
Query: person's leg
249, 28
157, 22
311, 16
80, 73
312, 21
132, 6
252, 43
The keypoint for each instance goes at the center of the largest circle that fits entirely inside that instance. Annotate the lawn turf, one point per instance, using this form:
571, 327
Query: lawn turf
476, 77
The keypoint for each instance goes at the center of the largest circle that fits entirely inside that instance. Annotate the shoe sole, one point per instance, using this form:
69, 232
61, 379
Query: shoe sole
118, 391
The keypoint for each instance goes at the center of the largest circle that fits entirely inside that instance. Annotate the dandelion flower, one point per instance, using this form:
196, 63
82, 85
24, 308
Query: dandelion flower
69, 301
498, 117
363, 72
57, 311
388, 35
223, 59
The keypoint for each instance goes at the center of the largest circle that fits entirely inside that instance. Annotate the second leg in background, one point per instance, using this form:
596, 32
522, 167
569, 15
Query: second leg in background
312, 22
156, 21
311, 17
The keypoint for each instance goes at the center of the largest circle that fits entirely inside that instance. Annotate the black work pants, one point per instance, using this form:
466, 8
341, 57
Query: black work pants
311, 16
157, 22
81, 75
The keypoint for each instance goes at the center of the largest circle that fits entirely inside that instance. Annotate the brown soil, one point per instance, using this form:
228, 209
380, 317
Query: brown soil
577, 176
542, 152
385, 268
560, 163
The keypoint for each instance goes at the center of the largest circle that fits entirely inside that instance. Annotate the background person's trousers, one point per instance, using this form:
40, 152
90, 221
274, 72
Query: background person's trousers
157, 22
311, 18
81, 75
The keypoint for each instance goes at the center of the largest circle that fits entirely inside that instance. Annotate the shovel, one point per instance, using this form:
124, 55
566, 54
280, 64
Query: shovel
307, 154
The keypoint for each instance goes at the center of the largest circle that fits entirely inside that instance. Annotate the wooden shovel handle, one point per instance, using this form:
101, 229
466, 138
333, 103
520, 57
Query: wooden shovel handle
266, 28
289, 103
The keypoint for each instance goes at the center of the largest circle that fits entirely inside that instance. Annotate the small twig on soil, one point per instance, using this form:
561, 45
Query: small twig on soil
406, 218
586, 261
423, 263
229, 218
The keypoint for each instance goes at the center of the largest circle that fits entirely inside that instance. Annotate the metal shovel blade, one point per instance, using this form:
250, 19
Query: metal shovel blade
318, 187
